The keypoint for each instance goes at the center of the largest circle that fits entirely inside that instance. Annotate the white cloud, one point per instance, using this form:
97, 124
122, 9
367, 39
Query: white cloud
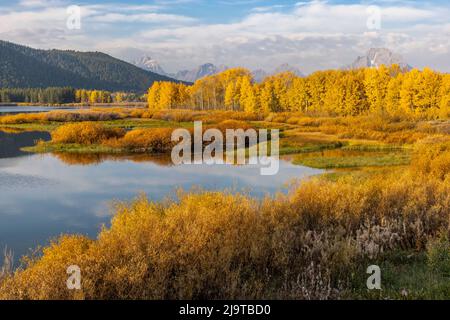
143, 18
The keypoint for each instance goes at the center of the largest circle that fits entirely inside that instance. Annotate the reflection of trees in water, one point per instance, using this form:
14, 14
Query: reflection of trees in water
13, 130
85, 159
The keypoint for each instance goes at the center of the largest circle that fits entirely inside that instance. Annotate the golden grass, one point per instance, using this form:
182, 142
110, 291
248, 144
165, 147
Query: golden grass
205, 116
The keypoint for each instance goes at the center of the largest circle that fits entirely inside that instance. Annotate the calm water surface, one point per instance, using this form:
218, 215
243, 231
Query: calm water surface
43, 196
15, 110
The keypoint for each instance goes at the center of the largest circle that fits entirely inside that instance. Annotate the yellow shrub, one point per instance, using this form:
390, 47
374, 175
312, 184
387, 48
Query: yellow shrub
85, 133
23, 118
231, 124
432, 160
146, 140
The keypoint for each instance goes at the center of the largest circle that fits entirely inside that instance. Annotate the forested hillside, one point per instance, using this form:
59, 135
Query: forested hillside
24, 67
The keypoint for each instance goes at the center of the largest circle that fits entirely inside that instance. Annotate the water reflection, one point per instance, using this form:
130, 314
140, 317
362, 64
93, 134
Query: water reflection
31, 109
43, 196
86, 159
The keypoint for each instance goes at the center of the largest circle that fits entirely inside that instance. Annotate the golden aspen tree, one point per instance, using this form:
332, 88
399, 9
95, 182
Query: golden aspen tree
94, 96
426, 98
334, 95
167, 95
376, 82
316, 87
298, 95
230, 93
183, 96
408, 92
84, 96
282, 82
268, 99
355, 101
78, 96
392, 100
247, 100
444, 97
197, 95
153, 96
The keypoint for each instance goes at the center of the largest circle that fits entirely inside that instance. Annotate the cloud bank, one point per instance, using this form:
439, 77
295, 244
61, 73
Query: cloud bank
311, 35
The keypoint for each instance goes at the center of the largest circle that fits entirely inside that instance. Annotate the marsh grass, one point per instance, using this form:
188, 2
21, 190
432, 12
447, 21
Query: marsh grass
371, 159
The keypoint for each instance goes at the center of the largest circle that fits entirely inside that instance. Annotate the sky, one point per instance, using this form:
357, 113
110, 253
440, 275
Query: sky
182, 34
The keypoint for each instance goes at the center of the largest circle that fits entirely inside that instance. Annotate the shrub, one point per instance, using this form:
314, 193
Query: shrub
231, 124
23, 118
85, 133
146, 140
432, 160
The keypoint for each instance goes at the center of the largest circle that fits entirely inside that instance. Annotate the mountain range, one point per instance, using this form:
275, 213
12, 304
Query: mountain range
376, 57
373, 58
204, 70
24, 67
207, 69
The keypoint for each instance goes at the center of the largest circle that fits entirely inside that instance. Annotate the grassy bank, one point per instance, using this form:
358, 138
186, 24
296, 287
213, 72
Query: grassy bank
382, 142
349, 160
45, 147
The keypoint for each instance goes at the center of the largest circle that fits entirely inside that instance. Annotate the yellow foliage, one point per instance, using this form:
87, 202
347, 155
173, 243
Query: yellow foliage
148, 140
85, 133
422, 94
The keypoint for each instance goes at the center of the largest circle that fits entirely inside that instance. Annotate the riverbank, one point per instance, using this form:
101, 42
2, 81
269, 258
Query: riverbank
357, 141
